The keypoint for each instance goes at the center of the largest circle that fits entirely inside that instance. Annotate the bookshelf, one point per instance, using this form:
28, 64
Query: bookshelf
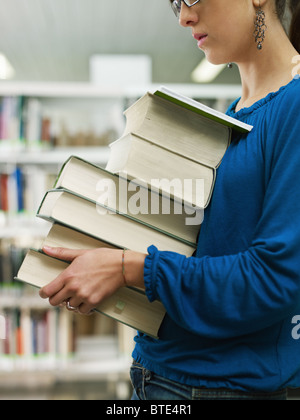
88, 90
54, 157
75, 119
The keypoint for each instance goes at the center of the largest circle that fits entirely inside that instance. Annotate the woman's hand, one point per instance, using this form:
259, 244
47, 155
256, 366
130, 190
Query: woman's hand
92, 276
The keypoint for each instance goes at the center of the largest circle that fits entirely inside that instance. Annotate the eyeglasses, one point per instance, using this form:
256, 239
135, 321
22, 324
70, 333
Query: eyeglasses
176, 5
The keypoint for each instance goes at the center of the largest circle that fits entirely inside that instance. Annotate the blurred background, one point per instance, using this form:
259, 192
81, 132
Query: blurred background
53, 40
68, 70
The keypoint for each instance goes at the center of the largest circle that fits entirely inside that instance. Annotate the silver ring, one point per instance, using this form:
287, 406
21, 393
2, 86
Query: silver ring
71, 308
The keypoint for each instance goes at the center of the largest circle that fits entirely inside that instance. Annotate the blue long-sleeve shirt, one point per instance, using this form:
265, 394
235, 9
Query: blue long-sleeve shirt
230, 308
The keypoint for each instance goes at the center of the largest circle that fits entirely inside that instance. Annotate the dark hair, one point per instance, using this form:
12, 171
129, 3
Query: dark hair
294, 6
295, 24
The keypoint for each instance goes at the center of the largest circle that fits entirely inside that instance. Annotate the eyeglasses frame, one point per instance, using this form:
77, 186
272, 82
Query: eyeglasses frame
176, 6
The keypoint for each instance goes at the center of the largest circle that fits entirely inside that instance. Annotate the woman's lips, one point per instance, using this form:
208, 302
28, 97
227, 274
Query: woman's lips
201, 38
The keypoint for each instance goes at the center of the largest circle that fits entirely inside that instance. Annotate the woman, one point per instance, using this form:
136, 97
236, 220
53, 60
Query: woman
229, 332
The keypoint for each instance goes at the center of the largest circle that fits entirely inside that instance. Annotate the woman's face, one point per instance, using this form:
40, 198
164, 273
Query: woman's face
223, 29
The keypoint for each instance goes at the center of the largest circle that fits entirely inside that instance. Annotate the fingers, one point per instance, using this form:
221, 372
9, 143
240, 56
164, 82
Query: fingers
86, 310
62, 288
64, 254
92, 276
66, 290
53, 288
73, 304
82, 308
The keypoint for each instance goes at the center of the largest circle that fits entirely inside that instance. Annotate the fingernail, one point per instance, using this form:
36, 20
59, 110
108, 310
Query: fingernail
47, 248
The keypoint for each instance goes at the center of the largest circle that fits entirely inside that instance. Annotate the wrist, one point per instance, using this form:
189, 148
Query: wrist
133, 268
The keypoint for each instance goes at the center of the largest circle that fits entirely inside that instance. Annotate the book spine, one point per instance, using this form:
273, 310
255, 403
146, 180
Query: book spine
12, 255
4, 192
22, 122
11, 119
31, 333
32, 123
21, 189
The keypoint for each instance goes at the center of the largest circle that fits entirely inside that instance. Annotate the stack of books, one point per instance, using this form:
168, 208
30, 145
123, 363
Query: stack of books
158, 181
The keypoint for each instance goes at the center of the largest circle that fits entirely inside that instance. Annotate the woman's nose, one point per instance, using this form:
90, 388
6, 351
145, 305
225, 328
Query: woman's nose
188, 15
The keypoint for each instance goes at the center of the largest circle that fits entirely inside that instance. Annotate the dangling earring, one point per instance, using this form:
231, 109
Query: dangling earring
260, 28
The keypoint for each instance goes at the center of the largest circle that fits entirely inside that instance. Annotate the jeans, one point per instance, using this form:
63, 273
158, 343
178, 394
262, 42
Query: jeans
149, 386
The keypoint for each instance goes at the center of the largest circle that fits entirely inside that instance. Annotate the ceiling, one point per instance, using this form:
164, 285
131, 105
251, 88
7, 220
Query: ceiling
52, 40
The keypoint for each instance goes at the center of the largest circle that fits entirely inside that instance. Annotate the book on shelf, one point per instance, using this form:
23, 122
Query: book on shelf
11, 191
12, 254
98, 221
11, 118
170, 136
128, 197
22, 122
22, 188
129, 306
30, 333
31, 123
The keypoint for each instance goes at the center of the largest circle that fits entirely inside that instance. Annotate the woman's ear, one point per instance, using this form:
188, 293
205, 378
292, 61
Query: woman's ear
259, 3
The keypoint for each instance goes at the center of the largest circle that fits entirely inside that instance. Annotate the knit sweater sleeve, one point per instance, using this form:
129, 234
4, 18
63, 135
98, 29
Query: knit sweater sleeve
232, 295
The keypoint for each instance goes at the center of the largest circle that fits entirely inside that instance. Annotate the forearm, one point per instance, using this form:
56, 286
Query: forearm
133, 268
